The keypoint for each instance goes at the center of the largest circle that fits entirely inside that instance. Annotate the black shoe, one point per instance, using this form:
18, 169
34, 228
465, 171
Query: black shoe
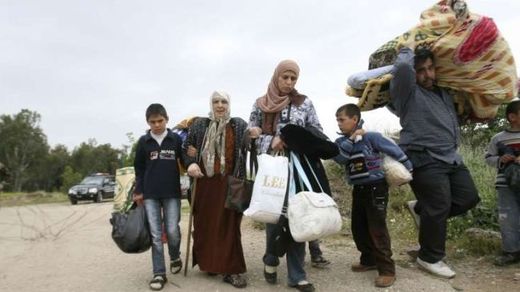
319, 262
304, 287
270, 278
507, 259
236, 280
175, 265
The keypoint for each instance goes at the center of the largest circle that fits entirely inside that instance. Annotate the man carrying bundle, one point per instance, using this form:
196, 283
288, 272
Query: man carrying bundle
441, 182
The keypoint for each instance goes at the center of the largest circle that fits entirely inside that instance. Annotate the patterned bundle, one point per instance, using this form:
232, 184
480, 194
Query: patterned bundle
473, 61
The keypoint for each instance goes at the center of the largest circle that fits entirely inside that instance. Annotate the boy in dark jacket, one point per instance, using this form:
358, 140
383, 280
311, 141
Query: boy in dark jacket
158, 183
361, 153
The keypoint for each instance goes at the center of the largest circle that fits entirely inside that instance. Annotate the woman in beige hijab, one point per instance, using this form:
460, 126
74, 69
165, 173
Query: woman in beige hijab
217, 246
282, 104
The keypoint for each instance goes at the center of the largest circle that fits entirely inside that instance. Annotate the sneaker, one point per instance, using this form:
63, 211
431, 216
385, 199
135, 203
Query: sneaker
319, 262
157, 283
415, 216
303, 286
439, 268
384, 281
506, 259
359, 268
236, 280
175, 266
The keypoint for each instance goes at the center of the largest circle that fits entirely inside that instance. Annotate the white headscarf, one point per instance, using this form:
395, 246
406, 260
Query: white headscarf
216, 136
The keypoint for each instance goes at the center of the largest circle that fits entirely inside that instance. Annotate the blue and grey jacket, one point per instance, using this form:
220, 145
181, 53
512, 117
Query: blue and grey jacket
363, 160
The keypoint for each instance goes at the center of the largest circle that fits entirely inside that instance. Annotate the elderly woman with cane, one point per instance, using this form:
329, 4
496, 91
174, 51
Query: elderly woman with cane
217, 246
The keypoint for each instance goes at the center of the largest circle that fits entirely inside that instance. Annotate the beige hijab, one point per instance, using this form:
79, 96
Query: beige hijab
215, 143
272, 102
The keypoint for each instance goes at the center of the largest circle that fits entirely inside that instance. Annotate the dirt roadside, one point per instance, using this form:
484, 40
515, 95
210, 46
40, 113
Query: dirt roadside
59, 247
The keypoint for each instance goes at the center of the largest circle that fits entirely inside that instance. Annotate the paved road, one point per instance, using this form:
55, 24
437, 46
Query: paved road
59, 247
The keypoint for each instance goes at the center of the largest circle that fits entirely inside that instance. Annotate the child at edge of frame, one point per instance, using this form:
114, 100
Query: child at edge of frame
503, 152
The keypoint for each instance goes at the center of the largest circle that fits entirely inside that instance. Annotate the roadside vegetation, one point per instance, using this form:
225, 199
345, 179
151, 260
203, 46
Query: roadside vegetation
28, 164
20, 199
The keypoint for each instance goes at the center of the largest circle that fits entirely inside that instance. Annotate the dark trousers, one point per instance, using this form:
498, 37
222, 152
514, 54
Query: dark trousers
442, 190
314, 249
369, 229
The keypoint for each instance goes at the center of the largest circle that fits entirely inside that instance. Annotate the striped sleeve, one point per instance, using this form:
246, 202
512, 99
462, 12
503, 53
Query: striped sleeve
345, 147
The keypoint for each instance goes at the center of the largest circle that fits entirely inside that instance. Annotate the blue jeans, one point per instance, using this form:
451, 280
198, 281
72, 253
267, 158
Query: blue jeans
509, 219
171, 217
295, 256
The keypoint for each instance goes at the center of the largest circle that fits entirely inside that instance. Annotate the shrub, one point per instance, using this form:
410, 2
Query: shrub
70, 178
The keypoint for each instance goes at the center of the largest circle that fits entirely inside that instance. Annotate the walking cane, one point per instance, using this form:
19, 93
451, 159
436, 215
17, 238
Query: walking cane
190, 223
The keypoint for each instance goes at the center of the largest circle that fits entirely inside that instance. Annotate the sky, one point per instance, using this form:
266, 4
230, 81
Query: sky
90, 68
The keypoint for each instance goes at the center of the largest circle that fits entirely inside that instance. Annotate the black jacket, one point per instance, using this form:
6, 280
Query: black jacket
156, 168
196, 136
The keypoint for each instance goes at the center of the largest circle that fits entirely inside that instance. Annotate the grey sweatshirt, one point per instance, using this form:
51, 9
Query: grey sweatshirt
428, 118
509, 139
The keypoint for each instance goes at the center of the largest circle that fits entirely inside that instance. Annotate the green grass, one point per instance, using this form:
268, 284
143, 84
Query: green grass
40, 197
400, 223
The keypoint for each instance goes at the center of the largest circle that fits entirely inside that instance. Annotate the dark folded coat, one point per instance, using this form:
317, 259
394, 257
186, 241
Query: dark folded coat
309, 141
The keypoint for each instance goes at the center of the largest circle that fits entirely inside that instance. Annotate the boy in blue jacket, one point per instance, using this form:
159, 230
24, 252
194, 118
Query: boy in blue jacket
158, 183
362, 154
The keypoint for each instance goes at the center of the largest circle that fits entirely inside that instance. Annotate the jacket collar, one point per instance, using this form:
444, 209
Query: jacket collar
169, 134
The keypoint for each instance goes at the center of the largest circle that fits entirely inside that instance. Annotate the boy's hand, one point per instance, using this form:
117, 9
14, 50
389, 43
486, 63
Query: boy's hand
357, 135
192, 151
138, 199
194, 170
255, 132
507, 158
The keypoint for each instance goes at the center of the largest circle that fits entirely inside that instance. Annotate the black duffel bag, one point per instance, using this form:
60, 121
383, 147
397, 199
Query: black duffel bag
283, 238
512, 174
130, 230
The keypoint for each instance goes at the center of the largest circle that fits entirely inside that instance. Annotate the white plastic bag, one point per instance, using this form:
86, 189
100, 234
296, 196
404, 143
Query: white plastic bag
312, 215
396, 173
269, 189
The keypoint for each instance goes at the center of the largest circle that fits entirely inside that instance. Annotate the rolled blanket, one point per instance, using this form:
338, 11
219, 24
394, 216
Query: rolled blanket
359, 80
473, 60
376, 93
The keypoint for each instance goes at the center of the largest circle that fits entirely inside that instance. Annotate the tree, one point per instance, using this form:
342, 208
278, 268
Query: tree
69, 178
23, 145
47, 175
128, 151
480, 133
89, 158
